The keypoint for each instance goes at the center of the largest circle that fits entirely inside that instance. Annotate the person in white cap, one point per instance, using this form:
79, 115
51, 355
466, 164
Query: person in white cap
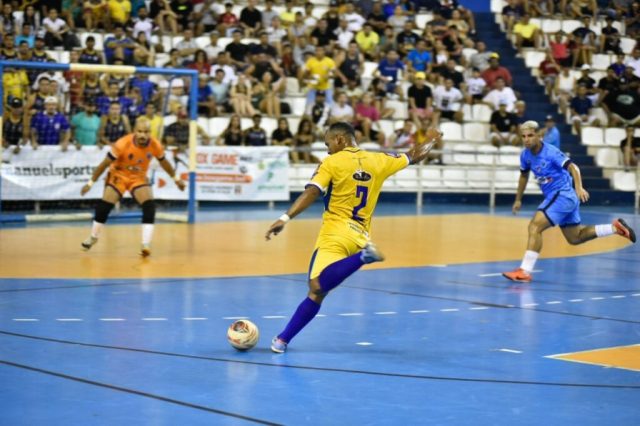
50, 127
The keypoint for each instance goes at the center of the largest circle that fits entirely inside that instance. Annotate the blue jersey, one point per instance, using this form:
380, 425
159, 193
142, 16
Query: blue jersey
549, 167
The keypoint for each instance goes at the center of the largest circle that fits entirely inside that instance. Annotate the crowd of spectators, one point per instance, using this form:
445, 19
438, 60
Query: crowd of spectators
259, 54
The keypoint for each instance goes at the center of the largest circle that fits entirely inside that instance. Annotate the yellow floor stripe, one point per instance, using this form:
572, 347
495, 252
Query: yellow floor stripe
625, 357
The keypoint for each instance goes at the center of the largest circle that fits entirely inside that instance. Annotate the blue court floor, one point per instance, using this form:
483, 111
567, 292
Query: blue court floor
455, 345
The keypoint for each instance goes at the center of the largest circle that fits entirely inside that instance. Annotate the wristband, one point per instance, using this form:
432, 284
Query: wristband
90, 183
285, 218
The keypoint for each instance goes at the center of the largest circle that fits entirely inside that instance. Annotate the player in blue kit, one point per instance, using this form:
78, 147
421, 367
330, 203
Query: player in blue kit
351, 180
561, 206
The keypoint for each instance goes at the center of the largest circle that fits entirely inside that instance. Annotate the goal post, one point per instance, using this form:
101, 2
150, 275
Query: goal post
192, 75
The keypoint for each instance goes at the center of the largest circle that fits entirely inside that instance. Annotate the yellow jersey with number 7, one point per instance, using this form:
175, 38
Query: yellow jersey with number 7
351, 181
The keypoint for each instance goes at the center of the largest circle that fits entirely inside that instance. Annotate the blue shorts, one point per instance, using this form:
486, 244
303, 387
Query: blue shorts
562, 209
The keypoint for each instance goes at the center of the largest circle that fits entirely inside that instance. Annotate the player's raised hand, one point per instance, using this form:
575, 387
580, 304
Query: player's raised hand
582, 194
275, 228
516, 207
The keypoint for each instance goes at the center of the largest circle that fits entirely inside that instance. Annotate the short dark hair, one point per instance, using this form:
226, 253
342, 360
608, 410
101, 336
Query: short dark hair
342, 129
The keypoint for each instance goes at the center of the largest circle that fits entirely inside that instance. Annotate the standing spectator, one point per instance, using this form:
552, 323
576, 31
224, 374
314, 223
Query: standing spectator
447, 103
50, 127
184, 13
14, 128
255, 135
113, 125
85, 126
501, 94
251, 19
504, 130
496, 71
630, 147
581, 110
319, 70
420, 99
550, 133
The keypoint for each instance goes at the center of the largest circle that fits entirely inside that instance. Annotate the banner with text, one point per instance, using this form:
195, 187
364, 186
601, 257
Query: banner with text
222, 174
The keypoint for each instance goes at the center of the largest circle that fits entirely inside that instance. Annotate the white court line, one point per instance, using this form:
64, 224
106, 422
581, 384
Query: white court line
273, 316
234, 318
512, 351
618, 297
385, 313
576, 300
526, 305
69, 319
597, 298
364, 343
635, 295
419, 311
26, 319
449, 310
479, 308
195, 318
154, 319
351, 314
112, 319
437, 266
554, 302
320, 316
499, 274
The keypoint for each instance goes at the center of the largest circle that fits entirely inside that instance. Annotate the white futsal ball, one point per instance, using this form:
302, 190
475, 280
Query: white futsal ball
243, 335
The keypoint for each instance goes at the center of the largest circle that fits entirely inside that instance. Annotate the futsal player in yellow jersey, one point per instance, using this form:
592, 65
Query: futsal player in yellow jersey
320, 68
351, 180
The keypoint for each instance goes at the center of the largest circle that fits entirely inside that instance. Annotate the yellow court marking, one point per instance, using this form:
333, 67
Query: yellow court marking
215, 249
625, 357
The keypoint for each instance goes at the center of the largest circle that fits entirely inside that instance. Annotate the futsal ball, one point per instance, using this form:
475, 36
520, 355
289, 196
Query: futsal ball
243, 335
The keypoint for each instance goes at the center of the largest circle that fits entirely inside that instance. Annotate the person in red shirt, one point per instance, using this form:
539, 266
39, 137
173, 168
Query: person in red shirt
549, 70
495, 71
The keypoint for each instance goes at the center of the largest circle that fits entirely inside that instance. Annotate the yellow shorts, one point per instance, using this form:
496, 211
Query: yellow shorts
334, 246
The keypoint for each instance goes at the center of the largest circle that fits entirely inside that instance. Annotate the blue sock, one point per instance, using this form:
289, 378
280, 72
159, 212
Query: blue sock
305, 313
334, 274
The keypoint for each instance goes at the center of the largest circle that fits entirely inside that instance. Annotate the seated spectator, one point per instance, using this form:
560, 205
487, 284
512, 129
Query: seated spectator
57, 32
480, 59
95, 14
113, 125
240, 97
220, 91
104, 102
282, 135
343, 35
420, 99
607, 84
26, 35
367, 117
504, 129
32, 17
255, 135
85, 126
476, 87
618, 66
623, 107
318, 112
629, 79
585, 43
144, 52
349, 66
632, 21
232, 135
610, 38
177, 95
50, 127
563, 90
119, 46
206, 18
224, 64
397, 20
511, 14
402, 138
166, 20
520, 113
580, 8
250, 19
8, 50
265, 95
634, 61
177, 134
7, 19
501, 94
390, 70
377, 19
323, 36
421, 136
155, 120
187, 47
450, 71
183, 10
89, 55
148, 89
137, 106
354, 19
496, 71
303, 140
15, 84
581, 112
548, 72
461, 25
90, 88
368, 41
276, 34
447, 100
630, 147
201, 62
14, 128
550, 133
406, 38
454, 44
419, 59
588, 82
35, 101
527, 34
341, 110
119, 11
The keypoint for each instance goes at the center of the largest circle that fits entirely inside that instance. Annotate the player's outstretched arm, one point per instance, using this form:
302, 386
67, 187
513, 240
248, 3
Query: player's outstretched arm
96, 174
522, 184
582, 193
420, 151
164, 163
299, 205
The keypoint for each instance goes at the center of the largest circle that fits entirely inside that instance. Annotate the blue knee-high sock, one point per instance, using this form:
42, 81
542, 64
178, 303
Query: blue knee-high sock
305, 313
334, 274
